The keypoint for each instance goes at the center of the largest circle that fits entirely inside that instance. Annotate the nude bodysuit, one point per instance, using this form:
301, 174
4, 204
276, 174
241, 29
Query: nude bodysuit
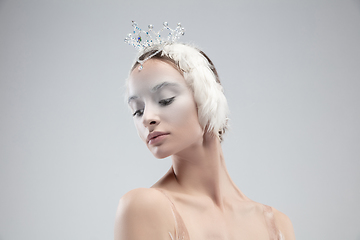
181, 232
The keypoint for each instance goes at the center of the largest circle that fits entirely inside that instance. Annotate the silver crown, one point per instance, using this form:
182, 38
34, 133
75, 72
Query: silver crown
141, 39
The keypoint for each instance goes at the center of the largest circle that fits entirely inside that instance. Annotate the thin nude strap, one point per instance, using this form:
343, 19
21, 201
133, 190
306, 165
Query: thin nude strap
181, 232
274, 232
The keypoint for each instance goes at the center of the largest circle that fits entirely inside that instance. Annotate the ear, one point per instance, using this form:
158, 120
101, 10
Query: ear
209, 137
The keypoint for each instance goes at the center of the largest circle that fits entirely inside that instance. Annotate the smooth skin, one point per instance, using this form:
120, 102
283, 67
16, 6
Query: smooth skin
198, 182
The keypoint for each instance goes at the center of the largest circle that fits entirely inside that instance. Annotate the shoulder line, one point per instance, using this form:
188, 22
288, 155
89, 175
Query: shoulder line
144, 200
144, 212
284, 224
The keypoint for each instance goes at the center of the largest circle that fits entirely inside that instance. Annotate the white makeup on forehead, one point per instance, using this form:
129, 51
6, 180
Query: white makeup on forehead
162, 85
157, 88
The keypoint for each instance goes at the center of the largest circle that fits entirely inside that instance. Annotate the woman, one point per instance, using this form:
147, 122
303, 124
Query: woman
179, 110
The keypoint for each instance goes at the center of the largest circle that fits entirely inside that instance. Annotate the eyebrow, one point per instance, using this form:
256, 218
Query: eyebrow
161, 85
132, 98
155, 89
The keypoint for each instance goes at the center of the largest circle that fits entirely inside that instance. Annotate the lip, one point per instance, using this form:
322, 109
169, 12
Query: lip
154, 135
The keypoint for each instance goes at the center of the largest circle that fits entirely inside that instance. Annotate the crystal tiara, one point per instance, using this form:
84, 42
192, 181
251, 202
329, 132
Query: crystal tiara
141, 39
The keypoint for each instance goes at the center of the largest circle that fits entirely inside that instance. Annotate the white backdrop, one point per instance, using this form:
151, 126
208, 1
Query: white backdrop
68, 147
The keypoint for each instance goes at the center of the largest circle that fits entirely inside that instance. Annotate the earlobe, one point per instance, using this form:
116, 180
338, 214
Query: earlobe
209, 135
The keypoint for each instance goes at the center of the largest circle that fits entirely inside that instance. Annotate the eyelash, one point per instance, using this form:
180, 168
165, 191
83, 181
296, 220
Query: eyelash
164, 102
138, 113
167, 101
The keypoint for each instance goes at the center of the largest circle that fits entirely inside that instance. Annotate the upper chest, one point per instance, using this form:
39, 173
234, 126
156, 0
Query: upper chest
237, 220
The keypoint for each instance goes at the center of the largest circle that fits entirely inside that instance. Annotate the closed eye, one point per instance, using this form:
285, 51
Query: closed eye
138, 113
166, 101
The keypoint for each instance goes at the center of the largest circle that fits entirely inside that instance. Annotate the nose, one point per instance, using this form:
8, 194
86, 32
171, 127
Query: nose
150, 118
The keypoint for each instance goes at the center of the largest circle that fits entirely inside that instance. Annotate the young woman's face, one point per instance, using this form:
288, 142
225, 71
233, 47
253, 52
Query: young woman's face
164, 109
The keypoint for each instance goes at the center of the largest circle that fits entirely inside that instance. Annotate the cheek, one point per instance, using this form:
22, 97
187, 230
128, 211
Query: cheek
140, 130
185, 113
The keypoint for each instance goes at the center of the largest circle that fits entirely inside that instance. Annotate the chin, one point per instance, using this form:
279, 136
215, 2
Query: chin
160, 155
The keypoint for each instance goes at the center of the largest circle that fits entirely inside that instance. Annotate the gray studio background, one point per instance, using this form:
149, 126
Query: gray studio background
68, 147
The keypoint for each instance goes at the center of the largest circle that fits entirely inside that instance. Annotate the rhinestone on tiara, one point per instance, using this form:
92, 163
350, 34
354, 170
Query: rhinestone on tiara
141, 39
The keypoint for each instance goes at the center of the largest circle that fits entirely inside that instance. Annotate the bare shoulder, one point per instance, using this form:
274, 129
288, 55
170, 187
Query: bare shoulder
284, 224
141, 199
143, 213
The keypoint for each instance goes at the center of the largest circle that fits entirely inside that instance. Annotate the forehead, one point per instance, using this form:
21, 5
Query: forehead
154, 72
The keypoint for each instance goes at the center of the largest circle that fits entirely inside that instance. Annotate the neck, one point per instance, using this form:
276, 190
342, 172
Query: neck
202, 170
